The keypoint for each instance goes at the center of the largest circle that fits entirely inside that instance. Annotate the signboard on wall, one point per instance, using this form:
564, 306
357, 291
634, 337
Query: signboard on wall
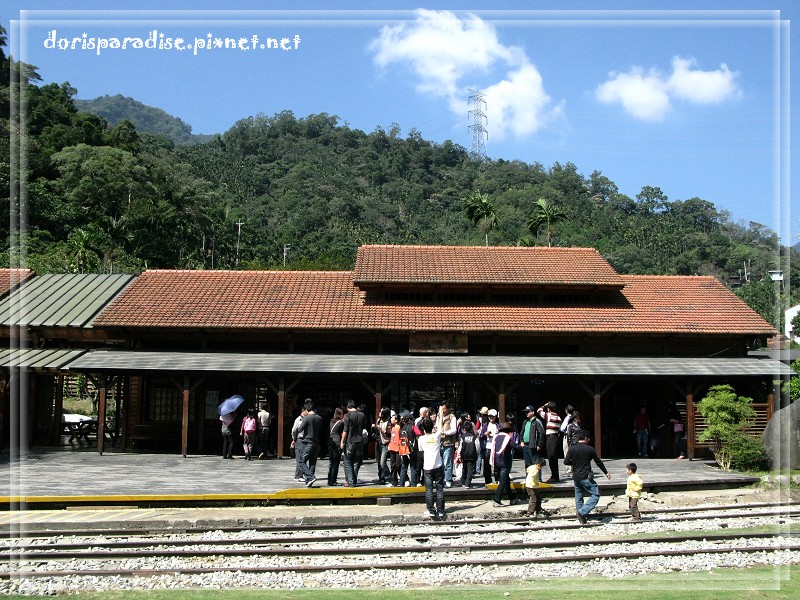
438, 342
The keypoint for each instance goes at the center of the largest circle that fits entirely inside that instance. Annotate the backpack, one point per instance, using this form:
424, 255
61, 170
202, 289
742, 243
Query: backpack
408, 442
468, 450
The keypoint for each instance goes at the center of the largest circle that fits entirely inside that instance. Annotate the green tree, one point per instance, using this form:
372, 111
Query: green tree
727, 416
480, 211
545, 214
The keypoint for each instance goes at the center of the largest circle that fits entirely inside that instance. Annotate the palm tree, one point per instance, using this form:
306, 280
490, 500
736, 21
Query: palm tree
480, 211
545, 214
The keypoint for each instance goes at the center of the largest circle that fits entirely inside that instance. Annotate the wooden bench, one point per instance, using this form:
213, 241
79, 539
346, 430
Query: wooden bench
155, 435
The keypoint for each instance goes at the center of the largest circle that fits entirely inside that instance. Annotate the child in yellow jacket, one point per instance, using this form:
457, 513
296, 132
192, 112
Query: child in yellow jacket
633, 491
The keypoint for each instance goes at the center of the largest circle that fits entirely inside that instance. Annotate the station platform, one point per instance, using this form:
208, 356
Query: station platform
60, 479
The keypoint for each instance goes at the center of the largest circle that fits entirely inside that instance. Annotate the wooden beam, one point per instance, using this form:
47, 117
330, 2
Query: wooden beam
185, 419
59, 410
690, 424
501, 401
281, 393
102, 392
598, 436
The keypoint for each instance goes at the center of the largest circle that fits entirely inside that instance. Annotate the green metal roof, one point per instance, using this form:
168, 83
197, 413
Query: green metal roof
61, 300
122, 360
37, 359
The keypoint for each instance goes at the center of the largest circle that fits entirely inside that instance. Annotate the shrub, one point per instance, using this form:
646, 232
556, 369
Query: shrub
745, 453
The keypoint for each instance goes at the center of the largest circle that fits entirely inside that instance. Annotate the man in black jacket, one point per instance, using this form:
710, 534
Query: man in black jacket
580, 457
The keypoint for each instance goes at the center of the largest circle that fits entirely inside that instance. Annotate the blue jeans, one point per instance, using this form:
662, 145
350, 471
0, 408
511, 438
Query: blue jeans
409, 468
448, 452
586, 486
334, 458
641, 442
434, 490
353, 457
383, 462
307, 459
503, 484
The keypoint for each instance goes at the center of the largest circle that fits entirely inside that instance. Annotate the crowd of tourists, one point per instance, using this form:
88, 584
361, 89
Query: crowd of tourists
437, 449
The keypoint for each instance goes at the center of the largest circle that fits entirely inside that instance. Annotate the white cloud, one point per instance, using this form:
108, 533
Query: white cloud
649, 96
702, 87
443, 50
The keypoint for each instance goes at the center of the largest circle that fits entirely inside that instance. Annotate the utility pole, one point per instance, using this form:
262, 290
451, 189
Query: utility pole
479, 132
285, 253
239, 223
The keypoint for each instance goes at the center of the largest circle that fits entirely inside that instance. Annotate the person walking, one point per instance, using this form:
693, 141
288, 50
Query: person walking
449, 433
468, 453
227, 436
394, 460
528, 442
334, 446
352, 444
641, 428
633, 491
383, 434
580, 457
501, 458
532, 478
263, 419
552, 433
308, 443
248, 433
408, 452
572, 434
489, 432
432, 467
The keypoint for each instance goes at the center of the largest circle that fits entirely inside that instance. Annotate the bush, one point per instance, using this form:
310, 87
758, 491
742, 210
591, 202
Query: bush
743, 453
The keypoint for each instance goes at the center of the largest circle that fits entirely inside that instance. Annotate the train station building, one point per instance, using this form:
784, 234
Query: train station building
409, 326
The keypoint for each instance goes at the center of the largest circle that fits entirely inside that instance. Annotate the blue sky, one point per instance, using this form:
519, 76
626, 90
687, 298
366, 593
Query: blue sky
648, 93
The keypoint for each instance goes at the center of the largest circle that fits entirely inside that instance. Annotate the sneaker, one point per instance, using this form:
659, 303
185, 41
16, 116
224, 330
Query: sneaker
431, 514
448, 484
311, 482
389, 484
419, 485
299, 479
441, 515
581, 518
407, 484
497, 504
345, 485
681, 457
261, 456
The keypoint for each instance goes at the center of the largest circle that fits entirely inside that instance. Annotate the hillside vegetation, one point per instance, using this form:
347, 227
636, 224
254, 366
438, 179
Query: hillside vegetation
103, 195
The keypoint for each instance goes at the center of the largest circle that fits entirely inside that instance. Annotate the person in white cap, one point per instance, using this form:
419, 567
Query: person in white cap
491, 431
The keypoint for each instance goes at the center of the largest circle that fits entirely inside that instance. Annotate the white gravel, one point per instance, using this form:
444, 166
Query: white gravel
387, 535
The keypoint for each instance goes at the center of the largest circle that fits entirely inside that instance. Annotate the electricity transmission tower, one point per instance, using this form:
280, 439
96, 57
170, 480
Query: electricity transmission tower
479, 133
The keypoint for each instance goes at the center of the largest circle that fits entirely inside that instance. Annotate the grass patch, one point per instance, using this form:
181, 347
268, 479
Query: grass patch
80, 406
751, 584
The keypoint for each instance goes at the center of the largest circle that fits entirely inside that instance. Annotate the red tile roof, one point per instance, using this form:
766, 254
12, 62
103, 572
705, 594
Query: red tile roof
483, 265
11, 278
315, 300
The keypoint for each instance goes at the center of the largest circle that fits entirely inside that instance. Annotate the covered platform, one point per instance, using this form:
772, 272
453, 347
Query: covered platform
47, 478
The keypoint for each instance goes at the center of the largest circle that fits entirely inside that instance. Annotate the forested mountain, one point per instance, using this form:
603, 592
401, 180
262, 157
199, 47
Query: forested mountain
146, 119
303, 193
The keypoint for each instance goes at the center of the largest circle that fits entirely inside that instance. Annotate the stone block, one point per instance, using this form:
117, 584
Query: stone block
384, 501
782, 437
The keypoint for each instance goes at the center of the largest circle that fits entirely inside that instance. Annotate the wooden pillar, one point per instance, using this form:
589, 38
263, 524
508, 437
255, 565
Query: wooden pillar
501, 401
690, 424
378, 398
102, 392
58, 413
185, 418
598, 429
281, 392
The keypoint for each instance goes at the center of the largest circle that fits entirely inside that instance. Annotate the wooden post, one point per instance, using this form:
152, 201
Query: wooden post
598, 436
185, 419
102, 392
501, 401
690, 424
58, 413
281, 413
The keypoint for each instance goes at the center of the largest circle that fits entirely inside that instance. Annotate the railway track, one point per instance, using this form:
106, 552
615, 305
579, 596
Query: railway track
468, 545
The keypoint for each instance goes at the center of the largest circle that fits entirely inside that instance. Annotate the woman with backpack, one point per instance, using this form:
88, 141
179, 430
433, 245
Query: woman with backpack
468, 445
408, 452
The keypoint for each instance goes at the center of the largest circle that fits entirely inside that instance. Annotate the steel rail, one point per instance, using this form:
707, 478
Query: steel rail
429, 564
544, 525
283, 551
